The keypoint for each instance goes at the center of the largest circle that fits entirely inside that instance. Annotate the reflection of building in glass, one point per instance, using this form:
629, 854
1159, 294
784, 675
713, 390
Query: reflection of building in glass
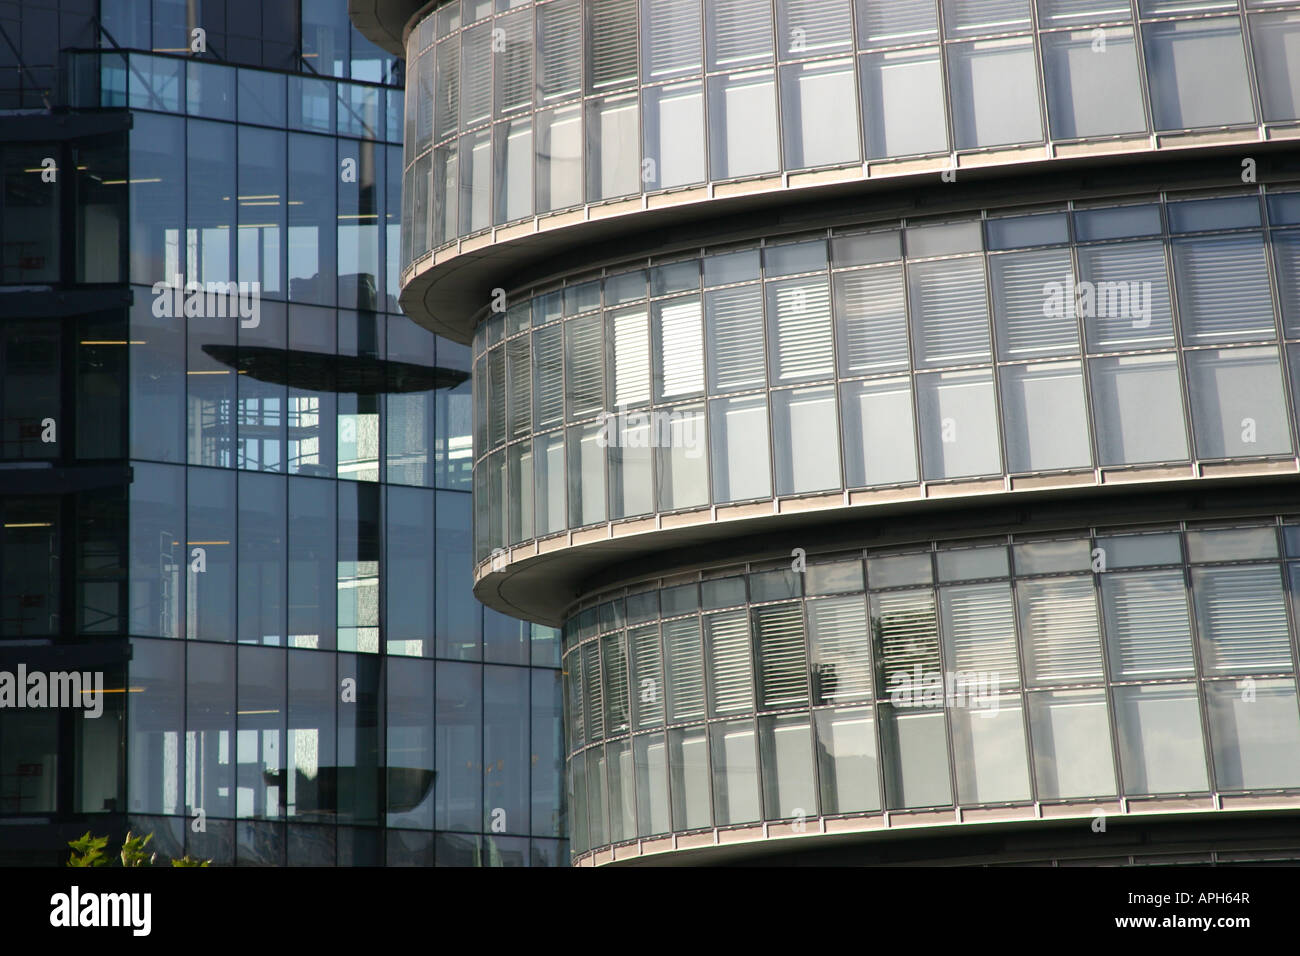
986, 317
253, 514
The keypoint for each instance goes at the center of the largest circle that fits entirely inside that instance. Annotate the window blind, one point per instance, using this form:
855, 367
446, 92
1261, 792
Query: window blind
559, 48
573, 675
1146, 624
731, 669
614, 659
1028, 324
841, 649
810, 27
740, 32
496, 400
782, 667
476, 76
518, 365
681, 348
548, 376
515, 62
584, 363
979, 627
1286, 249
671, 38
895, 22
1223, 289
447, 111
685, 669
735, 319
970, 17
591, 692
800, 314
1134, 264
631, 343
648, 684
871, 315
1241, 613
905, 631
949, 311
1062, 639
613, 43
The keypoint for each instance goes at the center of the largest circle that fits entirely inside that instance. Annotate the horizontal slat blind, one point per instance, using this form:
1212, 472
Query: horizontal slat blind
1146, 624
614, 661
871, 314
497, 396
515, 62
740, 32
979, 628
573, 683
731, 668
966, 17
782, 662
559, 42
1242, 617
476, 74
548, 376
584, 363
446, 118
631, 342
816, 26
799, 311
1223, 289
681, 348
1060, 13
949, 310
1140, 266
735, 319
685, 669
648, 683
613, 43
672, 40
1286, 249
1026, 327
906, 630
894, 22
518, 365
591, 692
1062, 638
841, 648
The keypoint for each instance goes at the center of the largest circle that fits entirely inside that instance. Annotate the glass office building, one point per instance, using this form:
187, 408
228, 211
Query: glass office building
234, 477
896, 404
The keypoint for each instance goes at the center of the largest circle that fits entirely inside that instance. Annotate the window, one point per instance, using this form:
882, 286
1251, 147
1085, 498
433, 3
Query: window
735, 330
739, 446
670, 39
1147, 629
1275, 42
1045, 421
807, 439
840, 650
1093, 87
950, 323
1238, 408
959, 429
1256, 738
739, 32
559, 158
879, 440
799, 334
1138, 404
1223, 289
674, 135
994, 92
1161, 748
731, 668
782, 663
903, 101
846, 760
1241, 620
814, 97
613, 146
742, 124
1072, 750
871, 319
1058, 622
1196, 70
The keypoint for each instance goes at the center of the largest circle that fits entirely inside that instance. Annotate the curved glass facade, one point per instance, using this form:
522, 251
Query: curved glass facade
1079, 667
1072, 341
520, 109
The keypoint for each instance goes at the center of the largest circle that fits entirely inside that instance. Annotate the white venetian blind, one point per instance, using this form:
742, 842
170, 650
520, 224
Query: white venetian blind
518, 365
799, 312
685, 669
515, 62
497, 396
782, 663
681, 348
871, 314
1139, 266
615, 665
648, 689
1033, 303
1242, 617
671, 39
841, 648
591, 692
968, 17
740, 32
548, 376
895, 22
731, 668
447, 113
906, 631
631, 331
735, 318
949, 310
1146, 624
1223, 289
810, 27
476, 76
573, 680
585, 365
1062, 639
559, 54
613, 43
979, 629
